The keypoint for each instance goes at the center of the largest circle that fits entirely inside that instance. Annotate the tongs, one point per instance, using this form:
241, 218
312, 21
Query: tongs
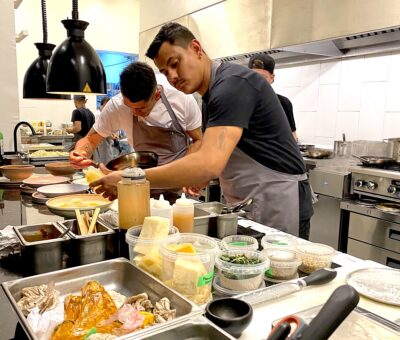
237, 208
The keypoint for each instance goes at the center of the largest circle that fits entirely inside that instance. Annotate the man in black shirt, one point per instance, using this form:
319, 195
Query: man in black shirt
264, 65
82, 118
247, 141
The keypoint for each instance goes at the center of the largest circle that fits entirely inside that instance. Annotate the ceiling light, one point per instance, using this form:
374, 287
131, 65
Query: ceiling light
35, 77
75, 67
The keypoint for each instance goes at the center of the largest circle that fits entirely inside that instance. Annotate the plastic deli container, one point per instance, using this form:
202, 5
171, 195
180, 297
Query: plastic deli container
278, 241
315, 256
283, 264
239, 242
241, 277
145, 253
188, 265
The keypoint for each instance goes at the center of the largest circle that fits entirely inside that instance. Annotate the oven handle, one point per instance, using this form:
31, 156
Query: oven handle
394, 234
392, 263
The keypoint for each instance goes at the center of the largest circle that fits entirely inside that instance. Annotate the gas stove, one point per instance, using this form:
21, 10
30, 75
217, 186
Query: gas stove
376, 182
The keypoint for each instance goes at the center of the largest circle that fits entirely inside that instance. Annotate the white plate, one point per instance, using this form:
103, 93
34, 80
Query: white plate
54, 204
39, 181
379, 284
62, 189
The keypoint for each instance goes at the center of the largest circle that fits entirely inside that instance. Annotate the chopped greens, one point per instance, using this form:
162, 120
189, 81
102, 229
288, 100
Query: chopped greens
239, 259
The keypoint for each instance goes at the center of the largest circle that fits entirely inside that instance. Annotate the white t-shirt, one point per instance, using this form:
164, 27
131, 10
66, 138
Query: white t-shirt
116, 115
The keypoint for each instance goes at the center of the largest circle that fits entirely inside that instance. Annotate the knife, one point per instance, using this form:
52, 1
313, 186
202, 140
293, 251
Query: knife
261, 295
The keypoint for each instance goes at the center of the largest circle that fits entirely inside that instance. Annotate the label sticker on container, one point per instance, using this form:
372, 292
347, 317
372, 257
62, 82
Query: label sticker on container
240, 244
278, 243
205, 279
268, 272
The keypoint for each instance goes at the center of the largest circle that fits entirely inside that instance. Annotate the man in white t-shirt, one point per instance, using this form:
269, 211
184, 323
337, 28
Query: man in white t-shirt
155, 118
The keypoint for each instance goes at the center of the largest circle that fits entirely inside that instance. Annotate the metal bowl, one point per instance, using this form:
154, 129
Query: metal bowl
141, 159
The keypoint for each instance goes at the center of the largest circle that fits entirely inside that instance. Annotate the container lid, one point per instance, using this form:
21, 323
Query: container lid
277, 240
281, 255
134, 173
183, 201
161, 203
235, 268
318, 249
239, 242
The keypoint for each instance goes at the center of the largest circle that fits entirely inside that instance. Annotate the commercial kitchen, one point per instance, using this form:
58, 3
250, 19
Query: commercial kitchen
72, 267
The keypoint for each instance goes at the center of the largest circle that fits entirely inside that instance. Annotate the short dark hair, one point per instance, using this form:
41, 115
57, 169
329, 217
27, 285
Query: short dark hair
137, 81
173, 33
104, 100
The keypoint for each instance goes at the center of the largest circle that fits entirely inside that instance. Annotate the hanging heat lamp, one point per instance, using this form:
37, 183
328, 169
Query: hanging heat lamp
75, 67
35, 77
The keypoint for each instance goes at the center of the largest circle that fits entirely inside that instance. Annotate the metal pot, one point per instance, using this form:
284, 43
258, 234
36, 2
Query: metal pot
394, 144
340, 148
318, 153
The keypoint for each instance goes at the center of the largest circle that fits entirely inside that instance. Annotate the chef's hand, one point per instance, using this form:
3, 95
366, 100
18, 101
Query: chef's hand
107, 185
193, 191
79, 159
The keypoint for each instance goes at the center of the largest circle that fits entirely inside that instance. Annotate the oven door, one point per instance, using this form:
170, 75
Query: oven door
373, 234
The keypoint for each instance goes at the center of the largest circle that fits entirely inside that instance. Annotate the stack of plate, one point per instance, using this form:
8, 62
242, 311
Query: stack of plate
49, 191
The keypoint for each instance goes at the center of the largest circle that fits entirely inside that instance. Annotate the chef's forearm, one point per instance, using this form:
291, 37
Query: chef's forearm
193, 147
187, 171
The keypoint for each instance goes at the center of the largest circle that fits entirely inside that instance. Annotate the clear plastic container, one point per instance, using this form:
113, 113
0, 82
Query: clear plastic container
315, 256
188, 265
241, 277
280, 241
145, 253
221, 291
239, 242
283, 264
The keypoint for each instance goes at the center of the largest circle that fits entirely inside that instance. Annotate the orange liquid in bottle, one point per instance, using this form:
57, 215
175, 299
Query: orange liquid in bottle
184, 222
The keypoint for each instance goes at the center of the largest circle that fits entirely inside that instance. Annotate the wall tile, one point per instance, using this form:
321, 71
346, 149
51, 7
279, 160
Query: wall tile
287, 77
347, 122
327, 110
376, 68
304, 123
330, 72
391, 124
349, 96
392, 96
351, 70
370, 125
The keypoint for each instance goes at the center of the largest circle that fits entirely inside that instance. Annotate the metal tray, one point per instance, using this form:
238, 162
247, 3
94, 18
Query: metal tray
379, 284
199, 328
119, 275
46, 159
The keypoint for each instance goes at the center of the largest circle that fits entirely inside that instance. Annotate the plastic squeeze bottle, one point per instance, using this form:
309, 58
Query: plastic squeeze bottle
161, 208
183, 214
133, 198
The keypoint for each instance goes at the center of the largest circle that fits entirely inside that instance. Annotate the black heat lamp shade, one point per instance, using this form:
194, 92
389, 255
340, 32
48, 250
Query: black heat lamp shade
35, 77
75, 67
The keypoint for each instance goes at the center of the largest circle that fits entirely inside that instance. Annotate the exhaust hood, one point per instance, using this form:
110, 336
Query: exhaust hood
292, 31
311, 30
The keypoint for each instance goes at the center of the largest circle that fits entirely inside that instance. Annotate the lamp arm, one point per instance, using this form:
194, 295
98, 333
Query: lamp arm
44, 21
75, 14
